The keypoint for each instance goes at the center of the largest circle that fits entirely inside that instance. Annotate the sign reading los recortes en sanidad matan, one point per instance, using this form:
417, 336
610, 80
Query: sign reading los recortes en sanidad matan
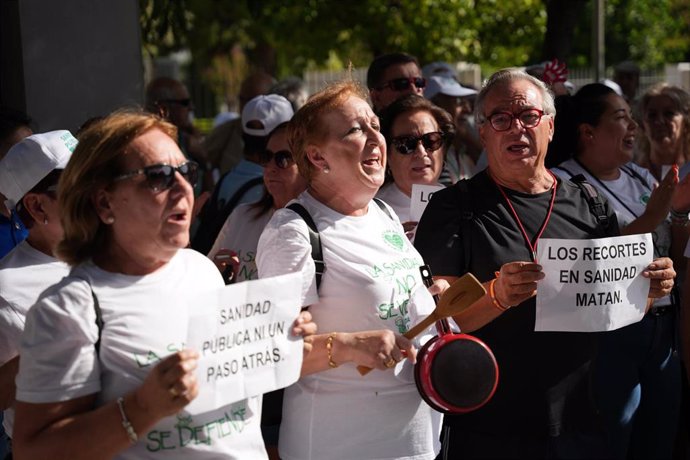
592, 285
242, 334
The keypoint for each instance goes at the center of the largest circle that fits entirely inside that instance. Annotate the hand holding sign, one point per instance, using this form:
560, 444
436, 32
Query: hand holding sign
170, 386
661, 274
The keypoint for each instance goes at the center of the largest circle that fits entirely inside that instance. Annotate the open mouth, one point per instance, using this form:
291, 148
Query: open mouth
629, 142
518, 148
178, 217
371, 162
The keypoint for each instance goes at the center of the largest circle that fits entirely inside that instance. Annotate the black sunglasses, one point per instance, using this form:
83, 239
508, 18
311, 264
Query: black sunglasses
283, 158
402, 84
183, 102
406, 145
161, 177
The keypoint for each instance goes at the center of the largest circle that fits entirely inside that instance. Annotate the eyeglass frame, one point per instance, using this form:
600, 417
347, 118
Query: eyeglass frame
193, 165
514, 117
274, 158
395, 142
410, 81
184, 102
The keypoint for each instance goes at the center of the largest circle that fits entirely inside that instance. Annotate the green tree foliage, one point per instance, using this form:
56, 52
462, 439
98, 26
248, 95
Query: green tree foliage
294, 35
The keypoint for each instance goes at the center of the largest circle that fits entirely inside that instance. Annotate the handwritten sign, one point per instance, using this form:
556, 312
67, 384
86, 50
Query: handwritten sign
592, 285
421, 194
242, 334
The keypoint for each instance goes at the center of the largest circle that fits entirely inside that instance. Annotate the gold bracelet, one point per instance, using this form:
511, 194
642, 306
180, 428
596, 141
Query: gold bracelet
329, 349
494, 300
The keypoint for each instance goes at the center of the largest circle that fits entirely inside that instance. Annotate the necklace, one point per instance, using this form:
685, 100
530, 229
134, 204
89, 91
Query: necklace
531, 245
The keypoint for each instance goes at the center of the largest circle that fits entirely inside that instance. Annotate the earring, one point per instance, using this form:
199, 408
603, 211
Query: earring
45, 221
326, 169
110, 220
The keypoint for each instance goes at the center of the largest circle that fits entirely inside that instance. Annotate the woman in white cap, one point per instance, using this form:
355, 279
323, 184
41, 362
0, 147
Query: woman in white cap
104, 368
29, 175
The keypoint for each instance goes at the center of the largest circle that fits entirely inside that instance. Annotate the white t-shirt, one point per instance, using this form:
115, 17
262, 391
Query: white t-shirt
24, 273
145, 320
628, 196
396, 199
371, 281
241, 233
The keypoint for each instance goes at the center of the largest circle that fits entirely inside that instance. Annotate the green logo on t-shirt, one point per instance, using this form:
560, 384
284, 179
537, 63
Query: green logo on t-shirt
394, 240
644, 198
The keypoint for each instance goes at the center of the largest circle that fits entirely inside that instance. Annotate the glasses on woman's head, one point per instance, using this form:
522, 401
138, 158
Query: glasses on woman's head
283, 158
502, 121
161, 176
406, 145
402, 84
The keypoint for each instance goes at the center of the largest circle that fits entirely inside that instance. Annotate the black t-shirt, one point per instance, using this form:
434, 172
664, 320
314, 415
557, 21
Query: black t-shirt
542, 375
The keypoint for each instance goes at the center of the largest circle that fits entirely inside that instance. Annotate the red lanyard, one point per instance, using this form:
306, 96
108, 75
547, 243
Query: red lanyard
532, 247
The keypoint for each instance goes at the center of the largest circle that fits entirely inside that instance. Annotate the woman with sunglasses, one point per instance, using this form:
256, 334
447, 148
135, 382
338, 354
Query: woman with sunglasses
665, 112
418, 134
235, 247
636, 379
369, 293
29, 175
104, 370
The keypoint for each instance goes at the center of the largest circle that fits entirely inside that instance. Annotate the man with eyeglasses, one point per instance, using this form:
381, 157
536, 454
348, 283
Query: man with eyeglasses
490, 226
170, 99
391, 76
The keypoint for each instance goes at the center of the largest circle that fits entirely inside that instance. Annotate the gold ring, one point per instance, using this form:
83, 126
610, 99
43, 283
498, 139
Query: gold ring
390, 363
173, 391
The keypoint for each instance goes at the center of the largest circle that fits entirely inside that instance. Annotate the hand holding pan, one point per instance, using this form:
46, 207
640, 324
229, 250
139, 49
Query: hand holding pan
456, 299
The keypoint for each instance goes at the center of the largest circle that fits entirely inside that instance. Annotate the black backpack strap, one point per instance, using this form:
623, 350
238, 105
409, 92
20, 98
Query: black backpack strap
314, 240
383, 207
594, 199
212, 219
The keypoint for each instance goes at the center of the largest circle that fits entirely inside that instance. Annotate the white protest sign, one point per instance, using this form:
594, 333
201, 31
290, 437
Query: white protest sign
592, 285
242, 334
420, 198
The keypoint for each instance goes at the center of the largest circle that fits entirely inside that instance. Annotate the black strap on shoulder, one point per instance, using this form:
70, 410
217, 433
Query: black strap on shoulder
636, 175
99, 320
596, 203
314, 240
383, 207
212, 219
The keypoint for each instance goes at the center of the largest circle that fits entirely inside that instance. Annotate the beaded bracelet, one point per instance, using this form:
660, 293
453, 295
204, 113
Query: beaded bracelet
329, 349
131, 434
494, 300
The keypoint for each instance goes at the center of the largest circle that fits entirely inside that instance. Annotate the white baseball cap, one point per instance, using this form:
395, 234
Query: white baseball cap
267, 111
445, 85
32, 159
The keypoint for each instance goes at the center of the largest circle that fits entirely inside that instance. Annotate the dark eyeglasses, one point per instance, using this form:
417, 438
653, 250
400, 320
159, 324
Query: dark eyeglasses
283, 158
502, 121
402, 84
161, 177
183, 102
406, 145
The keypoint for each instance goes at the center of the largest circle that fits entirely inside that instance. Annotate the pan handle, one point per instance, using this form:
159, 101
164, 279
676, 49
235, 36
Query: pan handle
442, 326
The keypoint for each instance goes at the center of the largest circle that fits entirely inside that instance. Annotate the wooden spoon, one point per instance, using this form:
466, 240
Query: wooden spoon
456, 299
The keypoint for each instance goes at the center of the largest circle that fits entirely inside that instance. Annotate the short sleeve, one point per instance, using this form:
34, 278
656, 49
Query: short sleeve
59, 361
11, 327
438, 238
284, 248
